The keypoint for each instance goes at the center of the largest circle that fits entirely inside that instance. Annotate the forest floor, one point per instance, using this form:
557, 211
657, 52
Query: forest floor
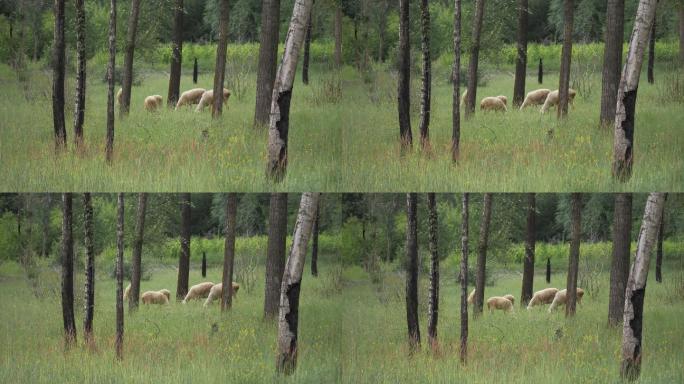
343, 138
350, 330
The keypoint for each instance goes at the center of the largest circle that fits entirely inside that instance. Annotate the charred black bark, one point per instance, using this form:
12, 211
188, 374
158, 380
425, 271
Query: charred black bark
622, 169
287, 362
68, 271
548, 270
89, 270
307, 49
195, 72
204, 264
184, 259
521, 59
528, 261
540, 74
277, 170
631, 368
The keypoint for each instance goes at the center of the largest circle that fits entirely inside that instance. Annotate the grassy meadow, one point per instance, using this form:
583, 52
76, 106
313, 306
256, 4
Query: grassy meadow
165, 151
513, 151
351, 330
343, 137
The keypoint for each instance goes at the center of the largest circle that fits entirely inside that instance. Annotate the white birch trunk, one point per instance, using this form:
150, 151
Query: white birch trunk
623, 138
636, 287
282, 91
289, 289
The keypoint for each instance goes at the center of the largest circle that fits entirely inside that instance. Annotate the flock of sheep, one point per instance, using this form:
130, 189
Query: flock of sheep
199, 96
546, 296
206, 290
544, 97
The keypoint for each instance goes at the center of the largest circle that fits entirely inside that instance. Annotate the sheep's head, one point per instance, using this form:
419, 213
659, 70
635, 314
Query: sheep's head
580, 292
511, 298
166, 293
572, 93
226, 95
236, 287
503, 98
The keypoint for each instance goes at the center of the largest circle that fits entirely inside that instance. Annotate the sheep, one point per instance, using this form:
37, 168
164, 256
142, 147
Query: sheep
127, 292
498, 302
545, 296
119, 96
471, 297
190, 97
217, 292
510, 297
494, 104
153, 102
208, 99
553, 97
503, 98
463, 97
156, 297
198, 291
536, 97
561, 298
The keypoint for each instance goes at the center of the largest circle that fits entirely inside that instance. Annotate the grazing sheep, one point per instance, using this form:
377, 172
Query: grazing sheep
510, 297
503, 98
190, 97
119, 96
545, 296
198, 291
127, 292
153, 102
561, 298
471, 297
553, 97
498, 302
493, 104
208, 99
536, 97
217, 292
156, 297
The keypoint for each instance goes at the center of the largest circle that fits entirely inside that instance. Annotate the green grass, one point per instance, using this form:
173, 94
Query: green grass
170, 344
357, 335
166, 151
512, 151
347, 144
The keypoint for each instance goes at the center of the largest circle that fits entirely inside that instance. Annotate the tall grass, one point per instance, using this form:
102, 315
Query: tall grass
350, 331
165, 151
515, 151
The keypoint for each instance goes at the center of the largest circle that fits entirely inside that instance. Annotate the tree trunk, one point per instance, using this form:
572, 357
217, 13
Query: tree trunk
184, 260
220, 69
427, 75
433, 299
307, 49
456, 82
659, 250
204, 264
338, 37
521, 60
176, 54
566, 58
137, 253
528, 261
195, 72
68, 271
573, 263
127, 80
89, 308
229, 252
651, 53
275, 256
540, 74
404, 83
619, 270
482, 254
314, 244
119, 276
412, 272
111, 65
548, 270
623, 138
463, 277
288, 315
681, 34
268, 58
474, 57
612, 59
58, 58
636, 288
79, 110
45, 223
282, 92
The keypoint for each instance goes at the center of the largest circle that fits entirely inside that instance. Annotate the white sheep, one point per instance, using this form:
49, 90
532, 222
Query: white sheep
553, 98
156, 297
494, 104
208, 99
498, 302
545, 296
198, 291
190, 97
152, 103
216, 292
561, 298
536, 97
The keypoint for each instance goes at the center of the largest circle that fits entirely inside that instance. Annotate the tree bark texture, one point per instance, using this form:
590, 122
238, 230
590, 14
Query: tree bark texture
612, 59
573, 262
482, 253
136, 259
528, 262
433, 299
474, 58
68, 271
412, 272
229, 252
275, 258
521, 59
619, 270
268, 60
184, 259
